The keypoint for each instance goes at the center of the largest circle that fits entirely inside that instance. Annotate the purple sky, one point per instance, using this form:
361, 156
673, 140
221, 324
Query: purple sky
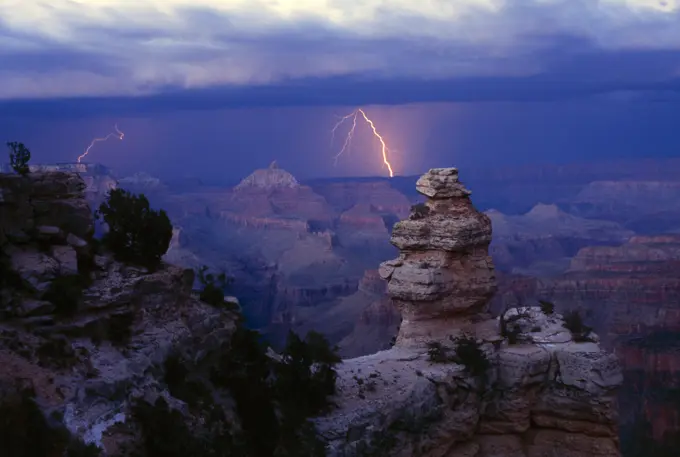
217, 88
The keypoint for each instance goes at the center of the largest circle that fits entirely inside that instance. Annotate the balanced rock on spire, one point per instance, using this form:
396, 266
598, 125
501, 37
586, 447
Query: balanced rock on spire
443, 279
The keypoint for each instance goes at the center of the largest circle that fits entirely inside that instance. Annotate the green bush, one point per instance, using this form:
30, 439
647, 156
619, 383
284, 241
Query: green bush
275, 399
213, 287
137, 233
547, 307
307, 376
437, 353
512, 334
573, 321
469, 352
165, 433
245, 370
19, 156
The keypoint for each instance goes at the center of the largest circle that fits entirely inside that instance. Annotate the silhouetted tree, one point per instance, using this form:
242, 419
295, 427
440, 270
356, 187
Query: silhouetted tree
19, 156
213, 286
547, 307
470, 353
136, 233
573, 321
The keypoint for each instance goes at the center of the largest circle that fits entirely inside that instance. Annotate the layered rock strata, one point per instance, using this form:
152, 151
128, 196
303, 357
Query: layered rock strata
443, 278
539, 394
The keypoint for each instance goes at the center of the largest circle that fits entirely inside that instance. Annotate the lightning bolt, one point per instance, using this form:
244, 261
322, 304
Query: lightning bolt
117, 133
348, 140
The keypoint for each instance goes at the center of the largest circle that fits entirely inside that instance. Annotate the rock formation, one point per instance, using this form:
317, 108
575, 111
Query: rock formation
268, 178
539, 393
631, 296
444, 278
48, 205
88, 350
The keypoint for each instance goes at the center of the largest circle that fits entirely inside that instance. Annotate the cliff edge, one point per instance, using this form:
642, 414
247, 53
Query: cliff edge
456, 383
87, 336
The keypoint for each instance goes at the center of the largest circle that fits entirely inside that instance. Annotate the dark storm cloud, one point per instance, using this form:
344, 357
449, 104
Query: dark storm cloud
588, 73
589, 46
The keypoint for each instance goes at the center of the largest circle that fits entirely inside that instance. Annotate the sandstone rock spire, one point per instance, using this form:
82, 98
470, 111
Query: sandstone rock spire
525, 385
444, 278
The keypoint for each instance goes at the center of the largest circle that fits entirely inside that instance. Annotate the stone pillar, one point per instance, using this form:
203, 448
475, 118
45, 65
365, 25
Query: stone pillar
444, 278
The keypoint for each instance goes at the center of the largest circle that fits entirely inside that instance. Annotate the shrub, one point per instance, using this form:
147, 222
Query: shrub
306, 377
137, 233
213, 287
244, 369
437, 353
547, 307
573, 321
65, 293
512, 334
469, 352
419, 211
275, 399
165, 434
19, 156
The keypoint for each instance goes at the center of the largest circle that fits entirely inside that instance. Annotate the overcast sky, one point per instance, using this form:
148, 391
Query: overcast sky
218, 87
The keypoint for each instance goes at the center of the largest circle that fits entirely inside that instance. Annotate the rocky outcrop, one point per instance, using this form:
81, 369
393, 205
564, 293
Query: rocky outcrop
537, 394
43, 205
179, 252
630, 294
87, 334
443, 277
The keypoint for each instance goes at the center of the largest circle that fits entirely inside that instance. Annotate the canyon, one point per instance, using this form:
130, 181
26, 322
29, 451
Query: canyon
453, 383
